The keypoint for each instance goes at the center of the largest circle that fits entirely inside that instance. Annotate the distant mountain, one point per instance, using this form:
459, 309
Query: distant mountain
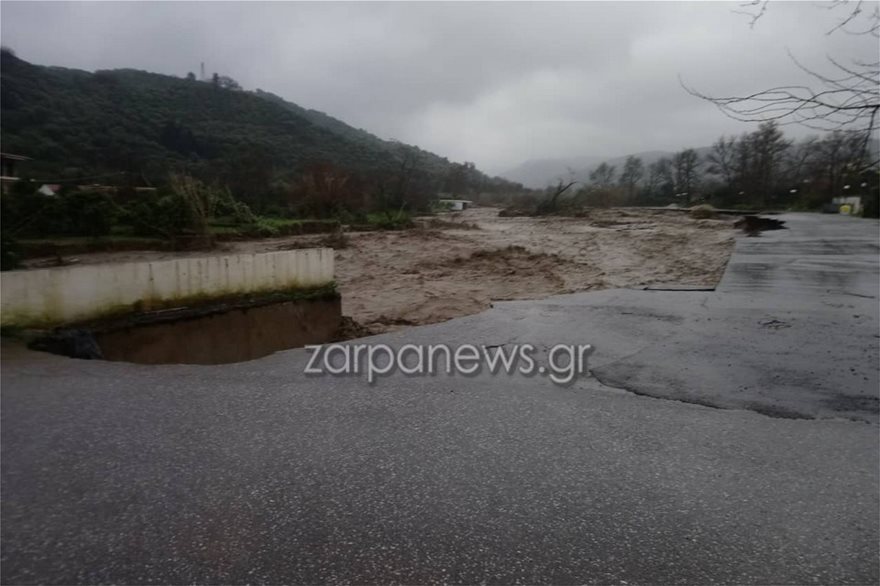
539, 173
74, 123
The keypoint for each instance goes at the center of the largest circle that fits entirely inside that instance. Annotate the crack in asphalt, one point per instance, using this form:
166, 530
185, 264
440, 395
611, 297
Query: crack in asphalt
763, 410
771, 412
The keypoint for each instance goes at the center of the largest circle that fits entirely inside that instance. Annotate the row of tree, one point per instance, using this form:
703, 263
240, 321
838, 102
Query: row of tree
757, 169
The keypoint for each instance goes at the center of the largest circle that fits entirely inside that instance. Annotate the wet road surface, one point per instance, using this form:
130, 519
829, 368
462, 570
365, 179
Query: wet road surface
728, 436
792, 330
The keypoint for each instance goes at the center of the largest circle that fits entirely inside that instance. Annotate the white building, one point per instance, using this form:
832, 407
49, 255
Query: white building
454, 205
851, 205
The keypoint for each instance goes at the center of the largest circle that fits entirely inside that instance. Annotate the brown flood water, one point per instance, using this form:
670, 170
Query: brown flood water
235, 335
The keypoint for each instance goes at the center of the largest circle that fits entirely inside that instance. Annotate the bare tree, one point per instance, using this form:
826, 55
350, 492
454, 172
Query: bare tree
722, 160
684, 165
603, 175
837, 159
799, 158
848, 97
551, 204
768, 147
754, 165
659, 176
631, 175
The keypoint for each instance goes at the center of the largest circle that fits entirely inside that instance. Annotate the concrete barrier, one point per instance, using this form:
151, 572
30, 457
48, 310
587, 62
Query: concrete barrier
56, 296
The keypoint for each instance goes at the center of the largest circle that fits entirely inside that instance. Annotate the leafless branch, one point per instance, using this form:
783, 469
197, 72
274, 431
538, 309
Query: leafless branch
753, 15
873, 19
850, 97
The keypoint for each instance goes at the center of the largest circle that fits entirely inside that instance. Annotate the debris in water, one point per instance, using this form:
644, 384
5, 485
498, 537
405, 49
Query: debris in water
754, 225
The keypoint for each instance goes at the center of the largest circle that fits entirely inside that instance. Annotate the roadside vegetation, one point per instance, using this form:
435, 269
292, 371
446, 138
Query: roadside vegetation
185, 214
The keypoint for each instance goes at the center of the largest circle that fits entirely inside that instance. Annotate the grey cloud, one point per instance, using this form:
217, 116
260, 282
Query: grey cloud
495, 83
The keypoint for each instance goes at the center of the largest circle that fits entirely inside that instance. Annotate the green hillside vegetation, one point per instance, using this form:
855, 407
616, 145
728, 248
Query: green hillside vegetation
129, 126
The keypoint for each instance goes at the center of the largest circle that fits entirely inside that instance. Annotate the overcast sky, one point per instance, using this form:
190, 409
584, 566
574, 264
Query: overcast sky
494, 83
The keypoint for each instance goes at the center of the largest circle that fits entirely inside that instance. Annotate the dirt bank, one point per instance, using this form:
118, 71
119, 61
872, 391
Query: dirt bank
458, 266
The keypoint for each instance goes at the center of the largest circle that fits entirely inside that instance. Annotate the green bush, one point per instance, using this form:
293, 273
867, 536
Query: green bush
702, 212
32, 215
237, 211
268, 227
163, 214
79, 213
390, 220
89, 213
262, 227
10, 254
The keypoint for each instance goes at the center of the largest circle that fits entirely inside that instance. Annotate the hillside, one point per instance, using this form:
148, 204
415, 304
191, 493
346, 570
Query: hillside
76, 124
357, 135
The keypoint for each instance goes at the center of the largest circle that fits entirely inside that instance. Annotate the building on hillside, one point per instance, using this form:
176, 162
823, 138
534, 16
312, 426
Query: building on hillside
50, 189
9, 164
454, 205
9, 171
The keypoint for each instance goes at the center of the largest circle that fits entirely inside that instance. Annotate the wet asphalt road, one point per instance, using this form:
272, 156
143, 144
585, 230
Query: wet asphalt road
727, 437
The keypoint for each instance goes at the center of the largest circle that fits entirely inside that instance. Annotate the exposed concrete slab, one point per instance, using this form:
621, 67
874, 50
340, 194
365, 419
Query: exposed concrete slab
819, 255
253, 472
792, 330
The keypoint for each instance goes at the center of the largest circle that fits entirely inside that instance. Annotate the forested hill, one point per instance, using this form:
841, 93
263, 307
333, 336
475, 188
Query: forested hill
76, 124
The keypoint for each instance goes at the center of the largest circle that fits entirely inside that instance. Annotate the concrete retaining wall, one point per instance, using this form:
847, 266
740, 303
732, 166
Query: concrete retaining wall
62, 295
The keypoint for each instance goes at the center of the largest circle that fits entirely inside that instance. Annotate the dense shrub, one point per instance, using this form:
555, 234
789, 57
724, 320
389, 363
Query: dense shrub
9, 252
77, 213
261, 227
89, 213
157, 214
390, 220
702, 212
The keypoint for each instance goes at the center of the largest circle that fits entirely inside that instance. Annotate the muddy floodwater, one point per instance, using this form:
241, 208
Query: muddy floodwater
212, 334
458, 264
235, 335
